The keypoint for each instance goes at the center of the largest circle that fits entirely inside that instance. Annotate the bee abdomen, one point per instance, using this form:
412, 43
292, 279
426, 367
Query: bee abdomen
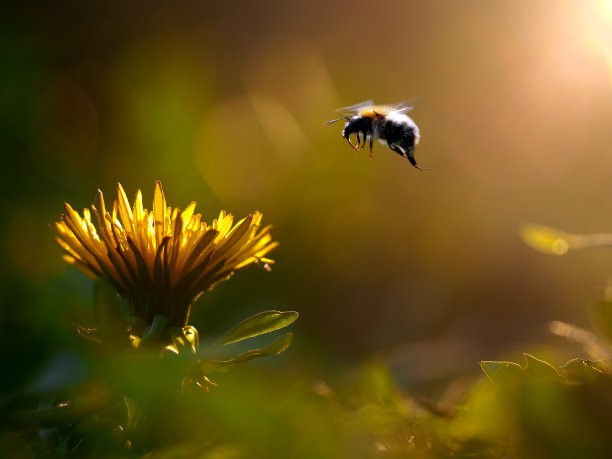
401, 134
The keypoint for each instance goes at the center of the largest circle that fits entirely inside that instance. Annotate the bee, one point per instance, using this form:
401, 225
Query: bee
388, 124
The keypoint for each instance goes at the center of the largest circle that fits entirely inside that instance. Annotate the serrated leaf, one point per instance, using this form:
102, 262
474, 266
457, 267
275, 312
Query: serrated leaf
604, 365
510, 372
259, 324
539, 370
222, 366
502, 372
583, 371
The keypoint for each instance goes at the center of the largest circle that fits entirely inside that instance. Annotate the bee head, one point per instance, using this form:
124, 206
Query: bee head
361, 126
357, 125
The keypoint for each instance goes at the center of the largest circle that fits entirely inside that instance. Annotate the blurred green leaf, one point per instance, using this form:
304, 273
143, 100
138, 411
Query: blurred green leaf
378, 382
259, 324
539, 370
276, 347
510, 372
583, 371
222, 366
502, 371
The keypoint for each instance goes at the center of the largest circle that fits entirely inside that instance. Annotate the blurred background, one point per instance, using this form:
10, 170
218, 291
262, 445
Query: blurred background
224, 102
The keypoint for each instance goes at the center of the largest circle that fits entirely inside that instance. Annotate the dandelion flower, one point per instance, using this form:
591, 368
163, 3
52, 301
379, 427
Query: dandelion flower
160, 260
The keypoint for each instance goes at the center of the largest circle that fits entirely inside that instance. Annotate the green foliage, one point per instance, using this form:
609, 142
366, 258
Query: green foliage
584, 371
259, 324
221, 366
156, 392
147, 399
502, 371
264, 322
555, 412
509, 372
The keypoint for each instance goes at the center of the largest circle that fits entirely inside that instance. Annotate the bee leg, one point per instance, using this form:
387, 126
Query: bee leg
351, 144
410, 157
371, 143
362, 146
414, 163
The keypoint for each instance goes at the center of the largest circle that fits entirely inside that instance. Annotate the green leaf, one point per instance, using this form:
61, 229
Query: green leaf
510, 372
502, 372
584, 371
261, 323
222, 366
276, 347
539, 370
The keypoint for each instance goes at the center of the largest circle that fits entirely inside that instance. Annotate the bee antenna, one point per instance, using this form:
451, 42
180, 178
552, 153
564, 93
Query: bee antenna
341, 118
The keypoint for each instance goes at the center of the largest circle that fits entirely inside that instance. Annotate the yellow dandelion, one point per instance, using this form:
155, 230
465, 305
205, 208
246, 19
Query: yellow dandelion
160, 260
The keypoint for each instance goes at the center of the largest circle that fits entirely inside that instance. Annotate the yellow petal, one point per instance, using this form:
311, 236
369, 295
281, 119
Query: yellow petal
187, 214
125, 213
138, 210
159, 210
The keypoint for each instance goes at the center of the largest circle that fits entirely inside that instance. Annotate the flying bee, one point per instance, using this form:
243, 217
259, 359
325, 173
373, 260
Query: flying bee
388, 124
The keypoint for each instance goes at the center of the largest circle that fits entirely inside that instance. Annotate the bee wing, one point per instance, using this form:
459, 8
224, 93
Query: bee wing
401, 108
356, 107
404, 106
